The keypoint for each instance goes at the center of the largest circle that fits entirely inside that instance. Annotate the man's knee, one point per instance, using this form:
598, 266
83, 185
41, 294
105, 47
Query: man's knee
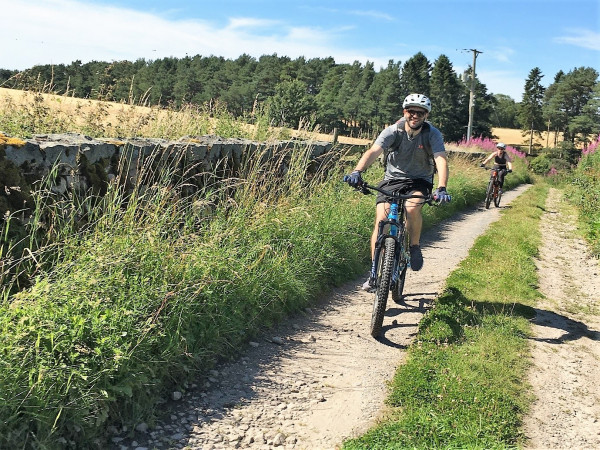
413, 207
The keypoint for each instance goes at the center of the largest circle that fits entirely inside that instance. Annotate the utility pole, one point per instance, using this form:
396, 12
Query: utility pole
472, 95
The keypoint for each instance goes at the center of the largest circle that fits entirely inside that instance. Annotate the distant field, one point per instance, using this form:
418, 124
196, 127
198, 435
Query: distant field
75, 107
515, 138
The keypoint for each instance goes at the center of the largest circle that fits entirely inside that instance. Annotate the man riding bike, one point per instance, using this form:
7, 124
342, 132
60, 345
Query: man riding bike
414, 149
502, 162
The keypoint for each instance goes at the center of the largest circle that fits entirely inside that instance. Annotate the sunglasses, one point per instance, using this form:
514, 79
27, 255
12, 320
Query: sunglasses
414, 112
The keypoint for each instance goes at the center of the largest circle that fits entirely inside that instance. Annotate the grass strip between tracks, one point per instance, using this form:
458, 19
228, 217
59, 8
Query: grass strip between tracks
464, 382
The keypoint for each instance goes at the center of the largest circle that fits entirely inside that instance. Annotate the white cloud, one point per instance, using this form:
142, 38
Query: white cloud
373, 15
581, 38
61, 31
501, 54
248, 22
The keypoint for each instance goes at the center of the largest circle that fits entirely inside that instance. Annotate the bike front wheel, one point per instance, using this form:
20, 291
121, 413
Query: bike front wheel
489, 193
384, 278
398, 288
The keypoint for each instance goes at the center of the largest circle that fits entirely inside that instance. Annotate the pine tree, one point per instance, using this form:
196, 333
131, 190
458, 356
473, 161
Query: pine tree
415, 75
530, 109
387, 95
446, 90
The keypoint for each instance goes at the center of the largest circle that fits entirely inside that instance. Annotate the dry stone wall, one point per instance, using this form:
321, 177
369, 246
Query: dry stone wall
77, 163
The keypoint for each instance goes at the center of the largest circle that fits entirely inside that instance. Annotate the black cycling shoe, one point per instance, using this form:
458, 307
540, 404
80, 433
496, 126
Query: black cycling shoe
416, 257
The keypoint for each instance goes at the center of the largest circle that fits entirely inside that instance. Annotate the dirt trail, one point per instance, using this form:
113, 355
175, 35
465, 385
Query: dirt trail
318, 378
566, 354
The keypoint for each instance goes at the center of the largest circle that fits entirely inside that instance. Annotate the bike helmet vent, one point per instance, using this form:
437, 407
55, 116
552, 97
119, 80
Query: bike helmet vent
417, 100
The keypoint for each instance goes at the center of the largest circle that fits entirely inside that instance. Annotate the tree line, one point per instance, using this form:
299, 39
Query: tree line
570, 105
354, 98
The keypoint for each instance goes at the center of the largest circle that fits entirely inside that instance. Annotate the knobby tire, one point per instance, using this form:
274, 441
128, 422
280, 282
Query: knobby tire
489, 193
384, 278
399, 287
497, 198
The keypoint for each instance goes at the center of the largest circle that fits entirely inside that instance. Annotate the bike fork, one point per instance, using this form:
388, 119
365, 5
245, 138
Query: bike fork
376, 255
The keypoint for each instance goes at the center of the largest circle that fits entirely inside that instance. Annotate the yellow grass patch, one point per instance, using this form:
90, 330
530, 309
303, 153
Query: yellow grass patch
112, 113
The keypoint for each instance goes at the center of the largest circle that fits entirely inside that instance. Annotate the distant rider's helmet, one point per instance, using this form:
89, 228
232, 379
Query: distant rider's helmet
417, 100
501, 146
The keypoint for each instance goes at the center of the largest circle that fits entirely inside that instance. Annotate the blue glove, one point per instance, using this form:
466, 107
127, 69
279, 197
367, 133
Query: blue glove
354, 179
441, 196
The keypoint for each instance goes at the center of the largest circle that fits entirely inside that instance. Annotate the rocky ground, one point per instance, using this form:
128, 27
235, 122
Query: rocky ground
320, 378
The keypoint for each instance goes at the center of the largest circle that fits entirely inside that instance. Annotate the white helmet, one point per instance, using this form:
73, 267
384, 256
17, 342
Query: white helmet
501, 145
417, 100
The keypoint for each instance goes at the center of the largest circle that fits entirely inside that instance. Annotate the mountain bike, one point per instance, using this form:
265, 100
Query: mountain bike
392, 257
493, 191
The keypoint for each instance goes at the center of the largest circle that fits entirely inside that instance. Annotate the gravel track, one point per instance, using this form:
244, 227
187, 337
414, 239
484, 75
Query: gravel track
566, 355
319, 377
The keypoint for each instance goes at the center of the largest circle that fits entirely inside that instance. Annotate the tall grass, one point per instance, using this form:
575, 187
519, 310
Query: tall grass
583, 190
40, 111
157, 291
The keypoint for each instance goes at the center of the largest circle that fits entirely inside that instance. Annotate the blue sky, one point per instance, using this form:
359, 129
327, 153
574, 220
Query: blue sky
514, 36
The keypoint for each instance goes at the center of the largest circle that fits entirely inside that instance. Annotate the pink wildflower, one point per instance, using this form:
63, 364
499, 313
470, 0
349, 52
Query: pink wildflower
487, 145
592, 147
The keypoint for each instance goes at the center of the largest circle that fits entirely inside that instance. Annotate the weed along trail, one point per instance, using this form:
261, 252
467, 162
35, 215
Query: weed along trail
318, 378
566, 363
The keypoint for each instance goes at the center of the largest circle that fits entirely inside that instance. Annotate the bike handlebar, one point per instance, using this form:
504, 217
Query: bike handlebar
495, 168
364, 188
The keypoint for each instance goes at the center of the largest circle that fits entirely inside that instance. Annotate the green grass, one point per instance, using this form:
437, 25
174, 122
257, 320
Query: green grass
464, 382
160, 288
583, 190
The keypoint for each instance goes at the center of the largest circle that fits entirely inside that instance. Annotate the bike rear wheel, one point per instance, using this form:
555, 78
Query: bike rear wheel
384, 277
488, 194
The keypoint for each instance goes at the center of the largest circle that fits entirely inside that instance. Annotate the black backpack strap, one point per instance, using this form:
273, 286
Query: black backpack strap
400, 132
427, 144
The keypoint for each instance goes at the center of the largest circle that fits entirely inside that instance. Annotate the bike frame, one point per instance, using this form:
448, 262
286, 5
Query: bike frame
391, 257
492, 192
397, 230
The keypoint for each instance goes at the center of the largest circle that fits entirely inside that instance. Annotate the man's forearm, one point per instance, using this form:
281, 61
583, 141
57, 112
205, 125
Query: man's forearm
367, 158
442, 168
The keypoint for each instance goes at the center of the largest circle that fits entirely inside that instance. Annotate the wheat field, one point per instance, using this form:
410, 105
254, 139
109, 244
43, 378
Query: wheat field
78, 108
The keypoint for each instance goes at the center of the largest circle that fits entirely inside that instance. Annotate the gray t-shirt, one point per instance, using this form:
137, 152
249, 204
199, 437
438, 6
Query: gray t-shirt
411, 159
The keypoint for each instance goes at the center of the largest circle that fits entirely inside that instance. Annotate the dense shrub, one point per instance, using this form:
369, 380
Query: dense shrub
583, 189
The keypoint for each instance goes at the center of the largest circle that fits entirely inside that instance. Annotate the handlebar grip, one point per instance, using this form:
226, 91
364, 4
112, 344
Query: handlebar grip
364, 190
